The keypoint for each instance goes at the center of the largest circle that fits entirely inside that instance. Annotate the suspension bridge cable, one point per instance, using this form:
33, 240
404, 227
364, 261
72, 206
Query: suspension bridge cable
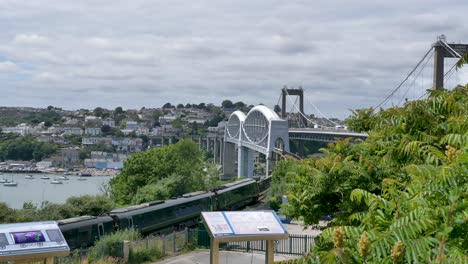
313, 122
449, 49
416, 77
277, 102
401, 83
298, 120
298, 110
320, 113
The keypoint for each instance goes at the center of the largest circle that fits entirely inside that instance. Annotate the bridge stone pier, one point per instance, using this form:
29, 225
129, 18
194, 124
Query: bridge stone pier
261, 130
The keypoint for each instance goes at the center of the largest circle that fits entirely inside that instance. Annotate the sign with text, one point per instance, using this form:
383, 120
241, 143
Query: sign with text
243, 223
31, 240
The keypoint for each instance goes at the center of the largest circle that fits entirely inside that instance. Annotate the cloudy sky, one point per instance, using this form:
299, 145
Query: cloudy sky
345, 54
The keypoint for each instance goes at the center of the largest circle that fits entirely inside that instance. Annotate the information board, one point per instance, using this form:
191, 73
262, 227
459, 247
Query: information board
243, 223
31, 240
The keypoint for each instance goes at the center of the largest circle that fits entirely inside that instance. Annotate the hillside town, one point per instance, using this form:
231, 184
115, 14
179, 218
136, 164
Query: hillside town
102, 139
99, 141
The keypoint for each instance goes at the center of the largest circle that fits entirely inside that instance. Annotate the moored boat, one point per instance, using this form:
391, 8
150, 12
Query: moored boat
56, 182
45, 177
11, 184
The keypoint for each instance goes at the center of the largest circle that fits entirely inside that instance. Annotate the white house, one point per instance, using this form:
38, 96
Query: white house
72, 131
92, 131
108, 122
132, 125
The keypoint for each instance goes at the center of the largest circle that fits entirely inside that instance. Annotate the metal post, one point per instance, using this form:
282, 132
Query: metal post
439, 52
283, 102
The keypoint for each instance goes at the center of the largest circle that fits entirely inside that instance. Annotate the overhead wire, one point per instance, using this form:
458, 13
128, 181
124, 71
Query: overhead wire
402, 82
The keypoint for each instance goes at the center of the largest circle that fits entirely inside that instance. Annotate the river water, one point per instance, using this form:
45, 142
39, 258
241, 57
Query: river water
38, 190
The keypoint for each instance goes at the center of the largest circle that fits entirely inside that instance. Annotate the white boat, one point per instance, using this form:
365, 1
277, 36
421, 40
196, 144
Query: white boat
3, 180
63, 178
11, 184
56, 182
68, 173
45, 177
82, 179
29, 177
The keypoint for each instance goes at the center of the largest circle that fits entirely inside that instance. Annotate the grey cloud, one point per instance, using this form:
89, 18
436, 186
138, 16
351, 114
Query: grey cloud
346, 54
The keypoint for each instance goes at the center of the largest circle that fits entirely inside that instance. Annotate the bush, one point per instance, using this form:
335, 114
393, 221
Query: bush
112, 245
143, 255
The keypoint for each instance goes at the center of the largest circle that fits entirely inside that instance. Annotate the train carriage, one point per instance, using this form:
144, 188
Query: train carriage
83, 231
161, 215
236, 195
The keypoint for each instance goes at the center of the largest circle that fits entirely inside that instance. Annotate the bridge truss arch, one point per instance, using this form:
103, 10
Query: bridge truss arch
259, 130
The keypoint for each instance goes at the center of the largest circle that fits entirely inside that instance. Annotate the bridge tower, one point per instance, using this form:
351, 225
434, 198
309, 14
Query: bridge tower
444, 50
294, 92
261, 130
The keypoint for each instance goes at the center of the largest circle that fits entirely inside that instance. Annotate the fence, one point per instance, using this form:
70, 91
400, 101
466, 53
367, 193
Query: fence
171, 244
162, 245
294, 245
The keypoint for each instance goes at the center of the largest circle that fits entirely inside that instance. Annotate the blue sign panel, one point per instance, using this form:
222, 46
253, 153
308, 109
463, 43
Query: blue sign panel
23, 240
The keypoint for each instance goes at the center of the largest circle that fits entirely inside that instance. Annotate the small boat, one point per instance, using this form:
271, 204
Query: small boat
29, 177
82, 179
11, 184
63, 178
3, 180
45, 177
85, 174
56, 182
68, 173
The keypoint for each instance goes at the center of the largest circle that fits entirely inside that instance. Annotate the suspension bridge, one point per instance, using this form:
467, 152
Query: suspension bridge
262, 130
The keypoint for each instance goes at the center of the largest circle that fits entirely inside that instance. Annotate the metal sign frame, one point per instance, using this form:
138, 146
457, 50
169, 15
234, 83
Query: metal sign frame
268, 230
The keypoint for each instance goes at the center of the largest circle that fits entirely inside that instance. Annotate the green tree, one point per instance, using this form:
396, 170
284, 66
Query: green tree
399, 196
90, 205
277, 109
118, 111
98, 111
227, 104
106, 129
183, 159
239, 105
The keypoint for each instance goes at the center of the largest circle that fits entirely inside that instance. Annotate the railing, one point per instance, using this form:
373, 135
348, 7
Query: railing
171, 244
295, 244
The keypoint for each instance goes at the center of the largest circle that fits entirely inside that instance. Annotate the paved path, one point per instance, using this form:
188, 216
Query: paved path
225, 257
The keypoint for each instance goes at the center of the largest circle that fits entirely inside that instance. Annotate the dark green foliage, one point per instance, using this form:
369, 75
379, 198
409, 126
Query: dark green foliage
13, 117
49, 116
401, 194
182, 162
111, 245
216, 119
24, 148
74, 206
90, 205
227, 104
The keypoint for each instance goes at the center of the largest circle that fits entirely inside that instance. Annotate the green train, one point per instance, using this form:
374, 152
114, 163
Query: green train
163, 216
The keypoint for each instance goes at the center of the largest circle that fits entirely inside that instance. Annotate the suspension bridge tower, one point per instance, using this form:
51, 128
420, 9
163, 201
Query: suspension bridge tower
443, 50
294, 92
